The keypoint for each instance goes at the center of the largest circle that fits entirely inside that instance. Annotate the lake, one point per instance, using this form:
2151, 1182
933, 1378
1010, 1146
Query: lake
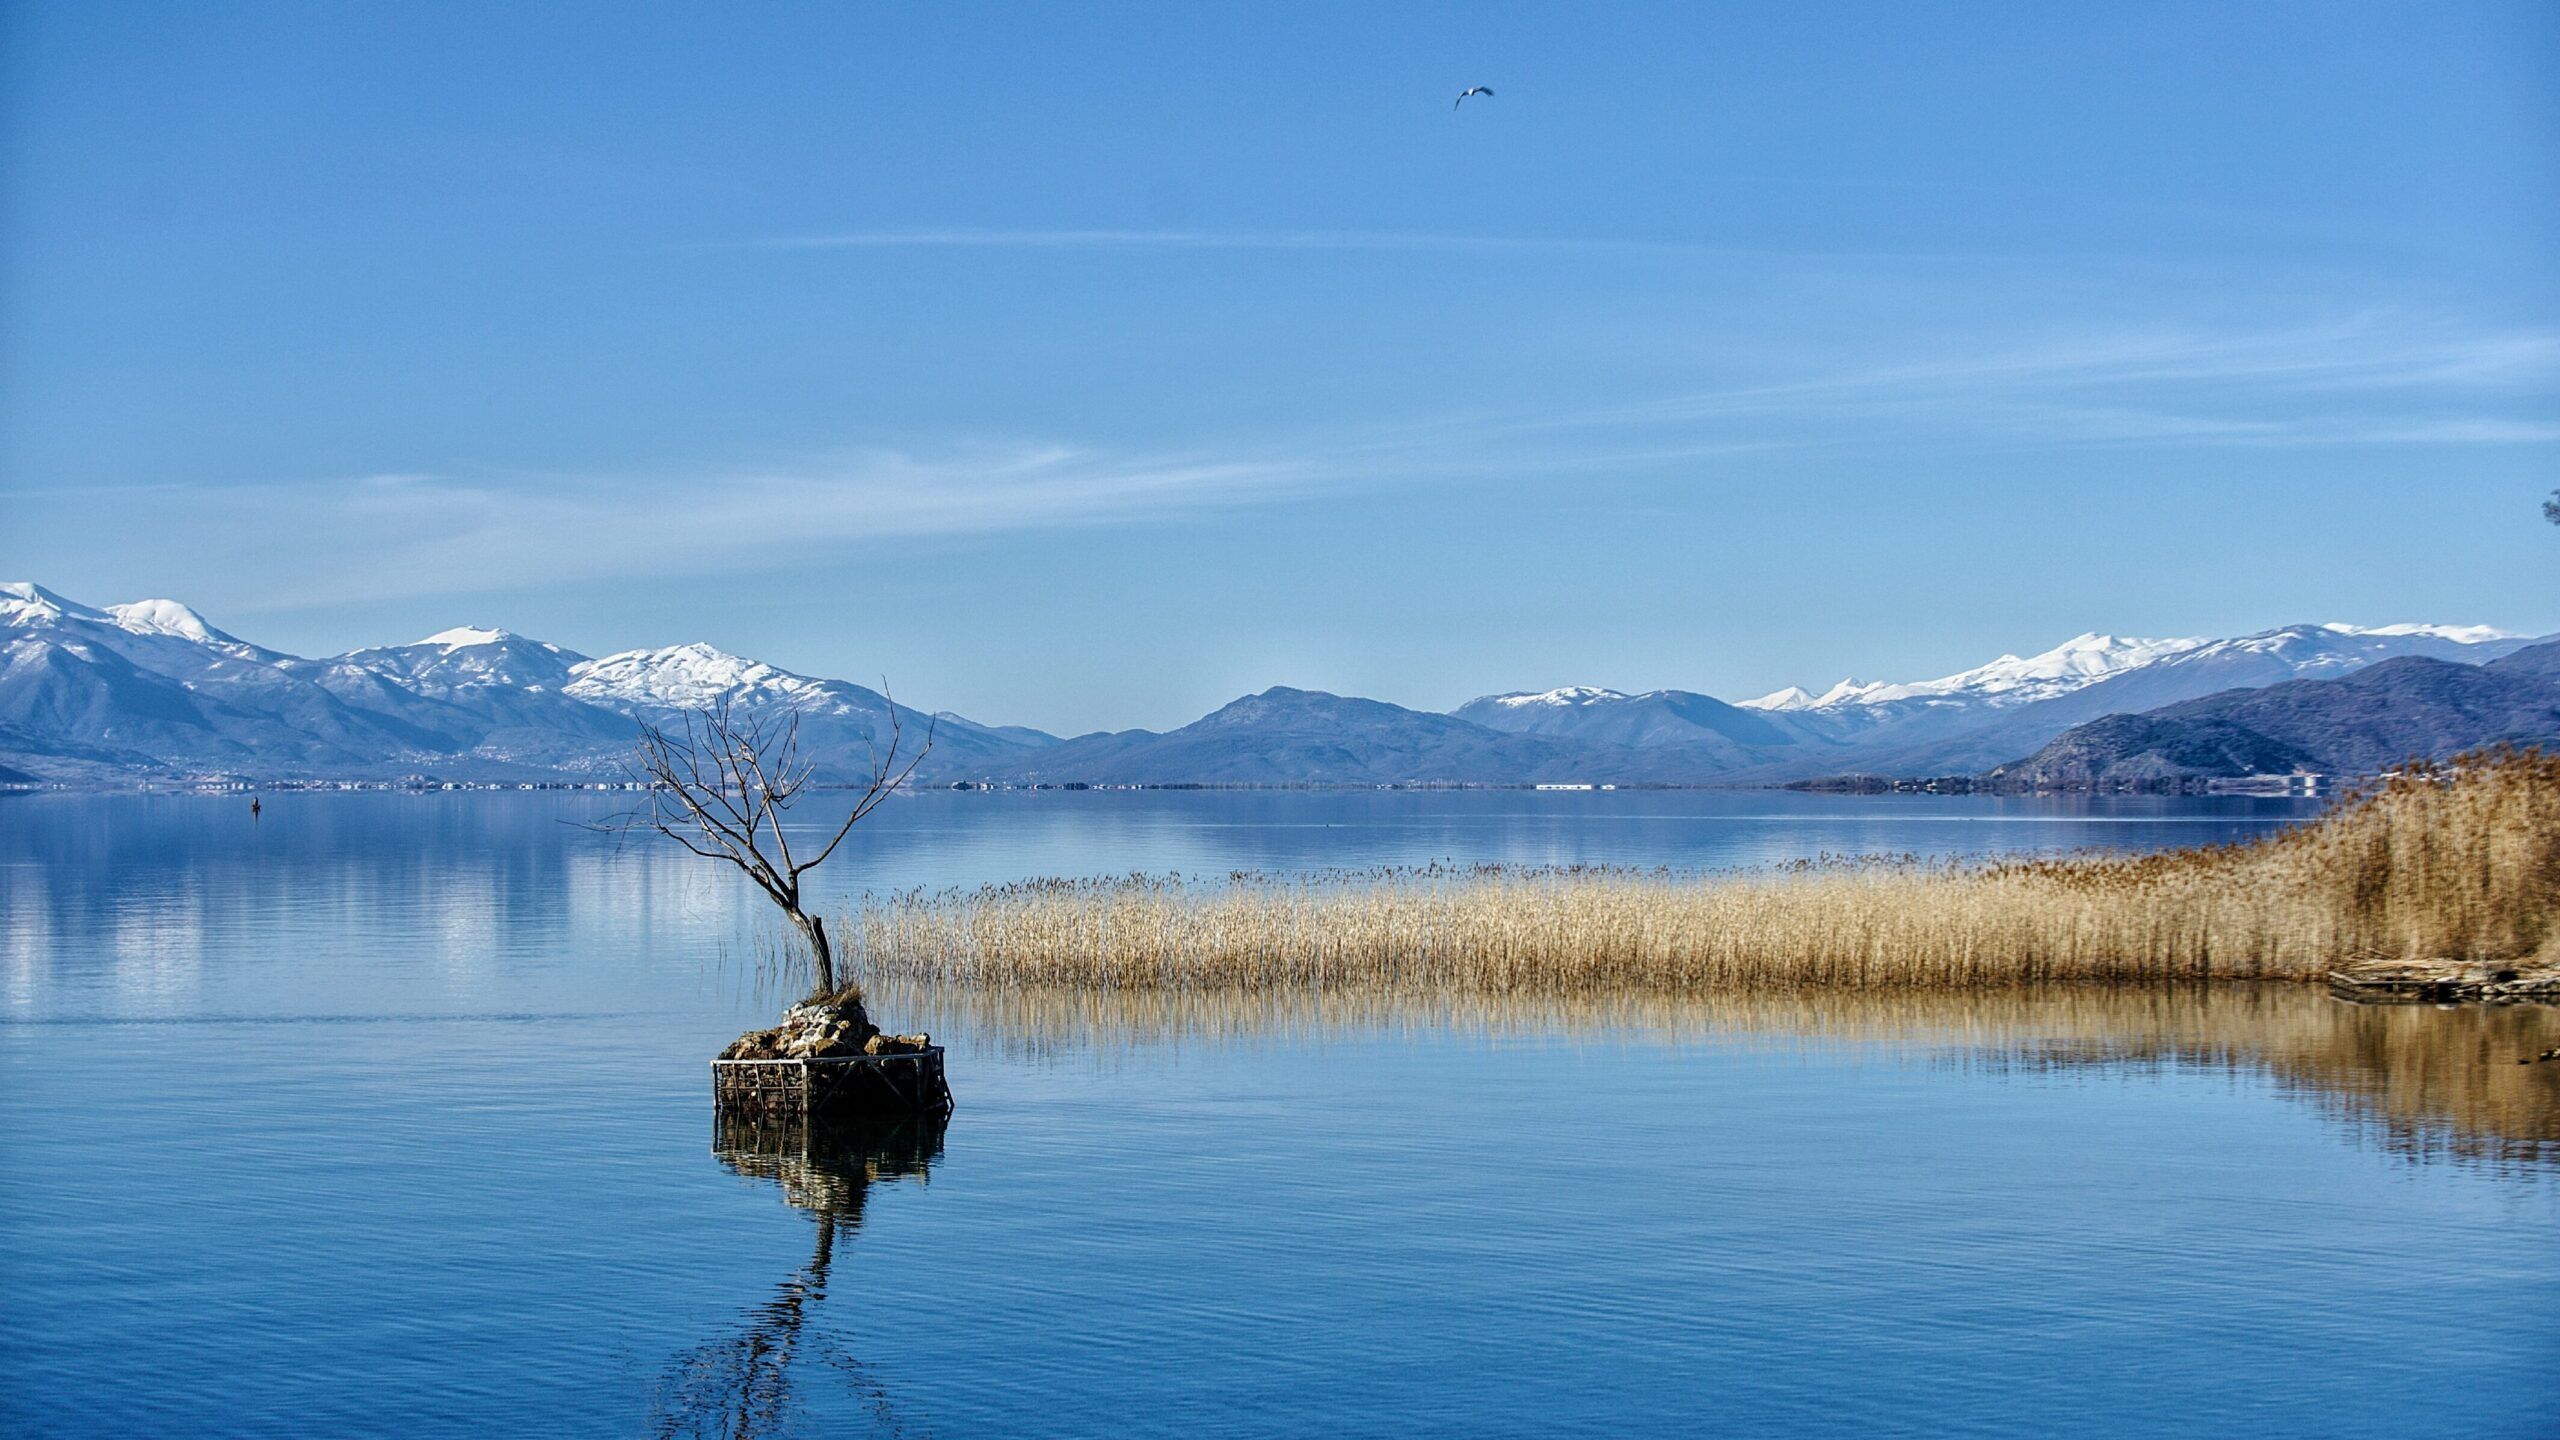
388, 1114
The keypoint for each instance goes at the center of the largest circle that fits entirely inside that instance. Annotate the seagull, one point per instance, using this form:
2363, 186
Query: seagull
1471, 90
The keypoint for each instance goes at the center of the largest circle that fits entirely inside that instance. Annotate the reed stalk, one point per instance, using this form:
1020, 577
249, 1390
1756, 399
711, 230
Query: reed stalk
2459, 860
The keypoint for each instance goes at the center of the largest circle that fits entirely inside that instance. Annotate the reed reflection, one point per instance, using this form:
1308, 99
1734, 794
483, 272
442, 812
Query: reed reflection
751, 1383
2425, 1082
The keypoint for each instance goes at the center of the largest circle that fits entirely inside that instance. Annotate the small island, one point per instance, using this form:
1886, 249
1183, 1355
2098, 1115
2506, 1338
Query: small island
719, 782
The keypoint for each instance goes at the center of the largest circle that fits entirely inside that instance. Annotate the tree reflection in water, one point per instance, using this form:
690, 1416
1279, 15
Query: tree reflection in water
747, 1384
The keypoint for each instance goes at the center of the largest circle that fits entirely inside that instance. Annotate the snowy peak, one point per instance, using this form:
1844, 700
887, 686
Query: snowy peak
2328, 649
469, 658
1568, 695
2010, 680
2458, 634
150, 688
463, 635
680, 676
2086, 660
25, 603
167, 617
30, 605
1591, 714
2014, 680
1793, 697
1851, 689
686, 677
695, 664
1796, 697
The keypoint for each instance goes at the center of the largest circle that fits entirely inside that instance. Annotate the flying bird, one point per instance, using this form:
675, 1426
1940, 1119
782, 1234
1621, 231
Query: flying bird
1471, 90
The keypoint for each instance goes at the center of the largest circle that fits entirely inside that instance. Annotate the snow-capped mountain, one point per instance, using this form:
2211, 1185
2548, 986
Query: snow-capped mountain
168, 617
134, 687
1849, 712
1792, 697
2291, 652
152, 688
1569, 696
2335, 647
2458, 634
1654, 719
1942, 731
1288, 736
495, 696
32, 606
2303, 650
2357, 723
684, 676
1977, 717
2009, 680
470, 657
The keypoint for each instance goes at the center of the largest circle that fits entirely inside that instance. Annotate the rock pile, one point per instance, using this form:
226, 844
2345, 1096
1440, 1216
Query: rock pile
817, 1029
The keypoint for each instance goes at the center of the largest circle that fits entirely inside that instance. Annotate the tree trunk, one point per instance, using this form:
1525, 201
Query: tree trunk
822, 960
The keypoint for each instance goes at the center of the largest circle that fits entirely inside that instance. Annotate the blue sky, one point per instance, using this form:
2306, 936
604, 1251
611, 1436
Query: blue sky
1086, 370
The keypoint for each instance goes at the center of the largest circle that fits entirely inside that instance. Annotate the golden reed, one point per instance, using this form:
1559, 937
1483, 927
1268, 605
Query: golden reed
2459, 860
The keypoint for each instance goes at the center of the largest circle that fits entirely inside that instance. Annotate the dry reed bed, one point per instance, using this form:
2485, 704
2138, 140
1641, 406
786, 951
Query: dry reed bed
2460, 860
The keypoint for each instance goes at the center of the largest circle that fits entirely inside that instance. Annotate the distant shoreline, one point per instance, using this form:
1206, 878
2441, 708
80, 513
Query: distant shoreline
1914, 787
2460, 862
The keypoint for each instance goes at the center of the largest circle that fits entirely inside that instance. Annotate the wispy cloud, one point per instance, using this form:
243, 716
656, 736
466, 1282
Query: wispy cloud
2381, 379
2375, 378
1099, 239
417, 534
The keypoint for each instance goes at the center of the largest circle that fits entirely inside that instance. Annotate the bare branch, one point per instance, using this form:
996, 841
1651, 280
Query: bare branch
882, 785
719, 786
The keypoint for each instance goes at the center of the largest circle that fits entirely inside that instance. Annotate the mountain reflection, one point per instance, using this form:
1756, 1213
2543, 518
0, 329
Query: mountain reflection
2424, 1082
750, 1383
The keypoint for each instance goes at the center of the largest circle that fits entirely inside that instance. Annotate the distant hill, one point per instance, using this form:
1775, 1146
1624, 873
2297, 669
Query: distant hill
1285, 736
1657, 718
2541, 658
2357, 724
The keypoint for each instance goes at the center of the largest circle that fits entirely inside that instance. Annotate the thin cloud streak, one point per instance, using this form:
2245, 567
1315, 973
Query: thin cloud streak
1384, 242
2358, 381
416, 535
2363, 379
2299, 358
1205, 240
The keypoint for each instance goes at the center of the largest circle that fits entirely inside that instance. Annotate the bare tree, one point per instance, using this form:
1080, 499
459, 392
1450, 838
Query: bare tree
720, 784
2551, 508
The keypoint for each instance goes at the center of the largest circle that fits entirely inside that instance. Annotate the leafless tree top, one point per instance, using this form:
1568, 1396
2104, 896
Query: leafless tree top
718, 785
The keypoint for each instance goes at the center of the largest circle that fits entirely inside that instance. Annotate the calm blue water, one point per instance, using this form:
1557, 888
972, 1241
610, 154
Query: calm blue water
388, 1114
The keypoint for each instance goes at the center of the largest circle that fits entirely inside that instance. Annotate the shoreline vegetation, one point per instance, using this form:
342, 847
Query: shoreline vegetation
2455, 861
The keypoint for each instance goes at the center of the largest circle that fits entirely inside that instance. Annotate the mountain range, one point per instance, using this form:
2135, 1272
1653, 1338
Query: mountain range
152, 691
1983, 717
2355, 724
